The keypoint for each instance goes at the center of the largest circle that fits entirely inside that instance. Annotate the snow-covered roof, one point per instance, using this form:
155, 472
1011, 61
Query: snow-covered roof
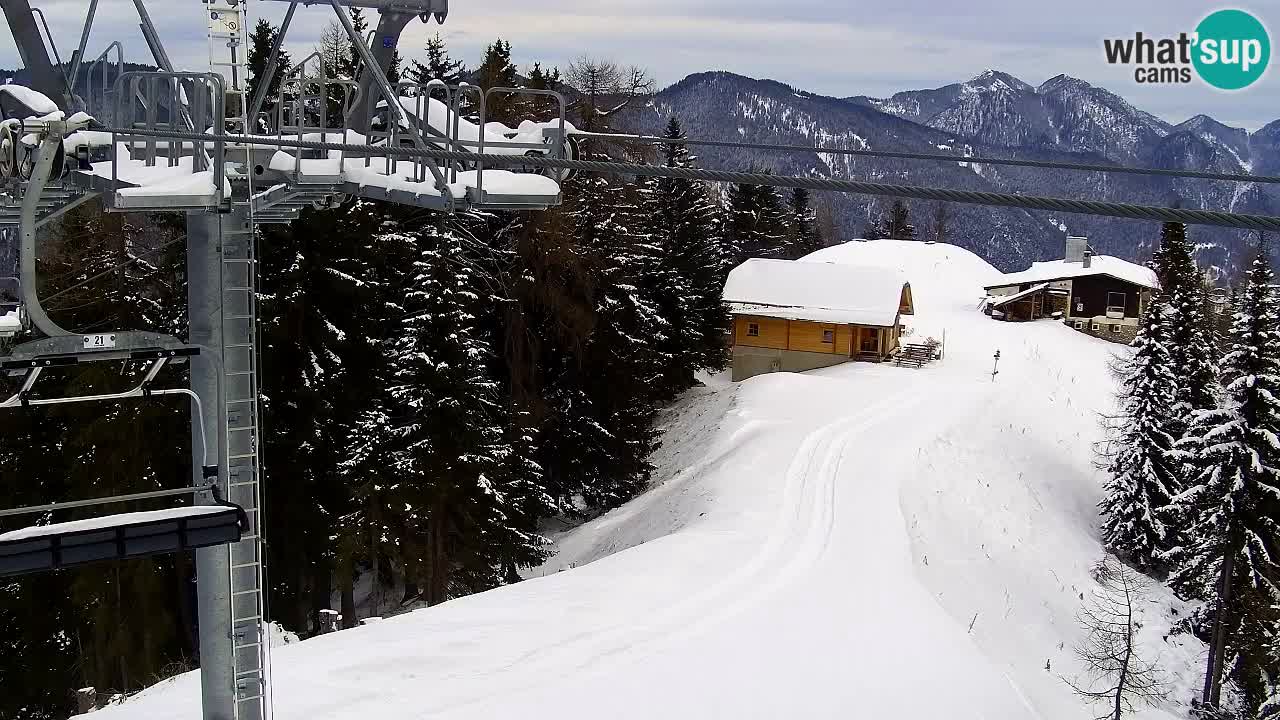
1018, 296
1062, 270
817, 291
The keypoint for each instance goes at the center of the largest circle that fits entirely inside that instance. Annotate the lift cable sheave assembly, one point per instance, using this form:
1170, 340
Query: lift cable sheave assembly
1130, 211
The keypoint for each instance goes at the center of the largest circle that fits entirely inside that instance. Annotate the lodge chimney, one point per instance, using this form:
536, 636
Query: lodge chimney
1087, 258
1075, 249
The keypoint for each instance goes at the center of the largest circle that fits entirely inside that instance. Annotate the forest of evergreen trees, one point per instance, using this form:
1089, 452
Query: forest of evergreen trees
1194, 492
435, 390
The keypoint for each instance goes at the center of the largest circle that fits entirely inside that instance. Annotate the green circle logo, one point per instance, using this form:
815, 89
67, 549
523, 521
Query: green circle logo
1231, 49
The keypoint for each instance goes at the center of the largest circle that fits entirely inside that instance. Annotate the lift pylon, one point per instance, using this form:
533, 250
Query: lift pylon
143, 157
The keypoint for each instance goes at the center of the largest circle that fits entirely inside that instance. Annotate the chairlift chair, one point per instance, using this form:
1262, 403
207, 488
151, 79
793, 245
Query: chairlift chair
42, 548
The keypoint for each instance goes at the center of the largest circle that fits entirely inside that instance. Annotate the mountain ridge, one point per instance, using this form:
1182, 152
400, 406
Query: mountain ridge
996, 114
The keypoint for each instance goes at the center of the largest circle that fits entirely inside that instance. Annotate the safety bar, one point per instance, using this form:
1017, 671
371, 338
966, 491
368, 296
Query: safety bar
34, 509
207, 109
559, 140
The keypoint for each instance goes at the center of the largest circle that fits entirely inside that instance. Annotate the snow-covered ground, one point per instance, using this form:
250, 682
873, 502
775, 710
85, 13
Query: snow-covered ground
859, 541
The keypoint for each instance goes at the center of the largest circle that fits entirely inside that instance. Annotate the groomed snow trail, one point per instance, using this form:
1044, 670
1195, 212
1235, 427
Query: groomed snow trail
860, 541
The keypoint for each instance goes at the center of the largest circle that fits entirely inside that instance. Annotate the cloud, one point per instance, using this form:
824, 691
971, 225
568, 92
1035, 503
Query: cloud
835, 47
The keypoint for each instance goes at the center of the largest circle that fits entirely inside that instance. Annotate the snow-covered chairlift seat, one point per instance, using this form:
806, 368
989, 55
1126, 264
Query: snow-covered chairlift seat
43, 548
381, 178
136, 185
147, 171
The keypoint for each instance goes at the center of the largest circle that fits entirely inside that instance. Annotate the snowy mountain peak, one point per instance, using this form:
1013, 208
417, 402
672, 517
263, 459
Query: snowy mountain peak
1270, 130
1204, 123
1234, 142
997, 80
1061, 82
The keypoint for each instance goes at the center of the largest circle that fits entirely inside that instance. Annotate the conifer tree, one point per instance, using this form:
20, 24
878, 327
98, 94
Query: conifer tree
497, 70
603, 373
755, 223
1192, 344
802, 230
1143, 477
472, 496
1232, 505
316, 375
260, 42
538, 107
687, 280
439, 65
895, 225
1172, 261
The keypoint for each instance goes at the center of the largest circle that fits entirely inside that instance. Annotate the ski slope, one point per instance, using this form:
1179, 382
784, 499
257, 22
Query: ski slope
859, 541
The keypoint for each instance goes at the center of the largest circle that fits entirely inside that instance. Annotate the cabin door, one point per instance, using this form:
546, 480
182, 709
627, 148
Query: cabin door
869, 340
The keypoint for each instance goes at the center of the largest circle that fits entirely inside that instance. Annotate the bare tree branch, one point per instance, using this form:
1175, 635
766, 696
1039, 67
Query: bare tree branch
1114, 671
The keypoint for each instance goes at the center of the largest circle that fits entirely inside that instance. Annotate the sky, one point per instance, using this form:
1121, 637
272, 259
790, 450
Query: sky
832, 47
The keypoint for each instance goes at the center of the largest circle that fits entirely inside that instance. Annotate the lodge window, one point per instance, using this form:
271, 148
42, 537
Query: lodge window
753, 329
1079, 324
1115, 328
1095, 327
1079, 306
828, 336
1115, 304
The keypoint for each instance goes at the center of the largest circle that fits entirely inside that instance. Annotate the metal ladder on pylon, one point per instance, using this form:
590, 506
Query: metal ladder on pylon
240, 391
228, 55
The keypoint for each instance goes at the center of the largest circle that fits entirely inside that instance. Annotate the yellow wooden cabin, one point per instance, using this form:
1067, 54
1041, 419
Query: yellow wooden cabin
796, 315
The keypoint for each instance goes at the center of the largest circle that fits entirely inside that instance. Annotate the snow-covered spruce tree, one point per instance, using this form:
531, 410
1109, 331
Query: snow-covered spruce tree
1172, 262
316, 366
472, 498
1229, 553
1143, 477
896, 223
1193, 348
802, 227
439, 66
755, 223
601, 373
686, 281
370, 527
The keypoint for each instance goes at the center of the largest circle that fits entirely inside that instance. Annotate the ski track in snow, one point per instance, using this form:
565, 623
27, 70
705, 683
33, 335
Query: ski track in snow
798, 539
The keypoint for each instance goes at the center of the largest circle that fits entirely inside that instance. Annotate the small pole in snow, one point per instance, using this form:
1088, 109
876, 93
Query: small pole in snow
994, 366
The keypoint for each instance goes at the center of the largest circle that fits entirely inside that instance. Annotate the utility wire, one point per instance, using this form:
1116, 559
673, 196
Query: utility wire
1023, 202
1047, 164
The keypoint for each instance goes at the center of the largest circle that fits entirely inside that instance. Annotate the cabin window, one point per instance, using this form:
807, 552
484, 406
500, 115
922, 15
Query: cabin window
828, 336
1095, 327
753, 329
1115, 304
1079, 306
1115, 328
1079, 324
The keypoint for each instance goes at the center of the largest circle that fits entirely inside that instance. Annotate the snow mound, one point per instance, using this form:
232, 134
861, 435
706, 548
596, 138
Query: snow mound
941, 276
